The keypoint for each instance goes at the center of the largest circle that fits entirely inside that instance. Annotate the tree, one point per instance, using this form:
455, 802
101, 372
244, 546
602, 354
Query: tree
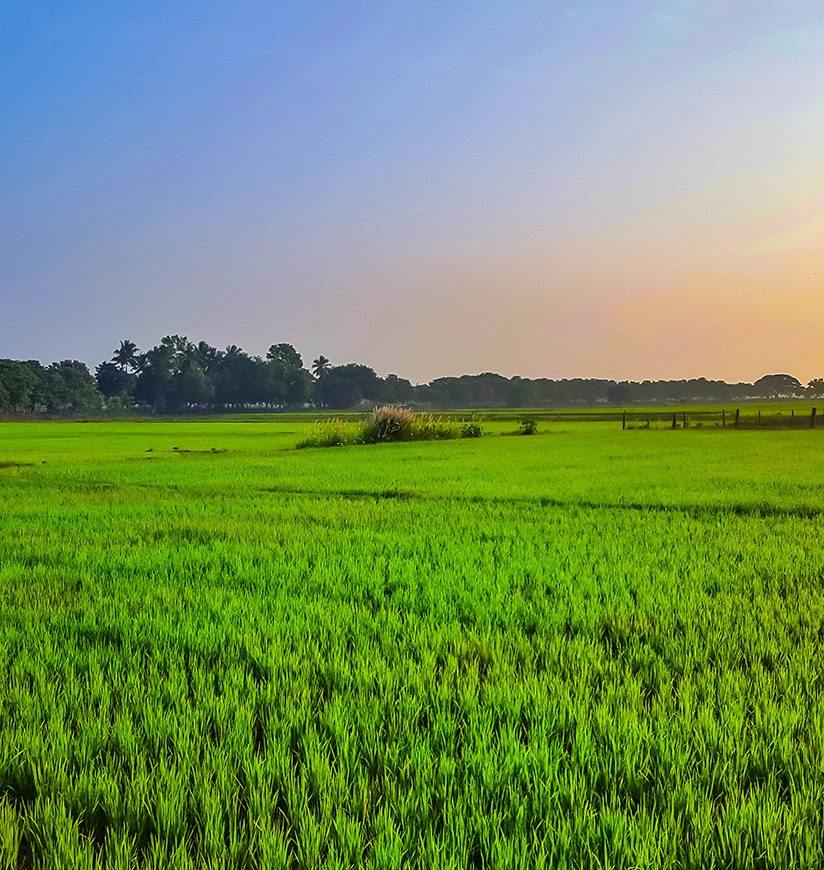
778, 387
242, 380
71, 387
113, 381
298, 388
156, 372
286, 355
618, 394
174, 375
189, 387
397, 389
815, 388
519, 393
320, 367
207, 355
21, 384
365, 377
127, 356
338, 392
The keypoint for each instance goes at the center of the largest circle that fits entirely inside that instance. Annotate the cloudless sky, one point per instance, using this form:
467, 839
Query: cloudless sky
593, 189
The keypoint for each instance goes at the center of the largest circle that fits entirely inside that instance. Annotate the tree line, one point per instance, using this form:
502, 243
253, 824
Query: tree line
179, 376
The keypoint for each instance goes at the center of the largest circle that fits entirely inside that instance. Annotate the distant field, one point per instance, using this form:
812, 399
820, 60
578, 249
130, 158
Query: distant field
587, 648
710, 414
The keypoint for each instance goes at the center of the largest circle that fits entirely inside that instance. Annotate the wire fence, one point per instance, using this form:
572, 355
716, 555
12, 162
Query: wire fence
722, 418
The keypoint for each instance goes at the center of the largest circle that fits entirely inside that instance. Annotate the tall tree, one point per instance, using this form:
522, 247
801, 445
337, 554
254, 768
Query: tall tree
71, 387
298, 388
127, 356
286, 355
338, 392
778, 387
113, 381
369, 384
397, 389
207, 355
320, 367
21, 384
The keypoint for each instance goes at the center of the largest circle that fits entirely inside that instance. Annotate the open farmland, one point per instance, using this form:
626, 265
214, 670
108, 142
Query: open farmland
587, 648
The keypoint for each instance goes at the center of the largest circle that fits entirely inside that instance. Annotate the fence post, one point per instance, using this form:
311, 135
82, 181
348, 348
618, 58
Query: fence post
737, 415
674, 420
759, 418
723, 419
624, 420
685, 419
812, 418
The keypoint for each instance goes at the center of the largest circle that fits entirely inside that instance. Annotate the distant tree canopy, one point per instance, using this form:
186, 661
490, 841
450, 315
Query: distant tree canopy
27, 386
779, 387
179, 376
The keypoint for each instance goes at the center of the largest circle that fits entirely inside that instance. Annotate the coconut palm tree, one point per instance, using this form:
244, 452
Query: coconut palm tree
207, 355
320, 367
126, 356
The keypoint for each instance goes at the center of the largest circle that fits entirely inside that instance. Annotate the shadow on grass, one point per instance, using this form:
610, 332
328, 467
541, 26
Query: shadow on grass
696, 510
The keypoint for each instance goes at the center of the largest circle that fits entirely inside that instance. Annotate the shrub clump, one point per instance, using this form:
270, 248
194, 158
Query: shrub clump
387, 424
527, 427
471, 430
429, 428
396, 423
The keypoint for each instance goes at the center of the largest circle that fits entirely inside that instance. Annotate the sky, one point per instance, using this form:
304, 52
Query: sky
626, 190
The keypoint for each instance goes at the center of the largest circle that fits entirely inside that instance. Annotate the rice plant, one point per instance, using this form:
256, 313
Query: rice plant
590, 650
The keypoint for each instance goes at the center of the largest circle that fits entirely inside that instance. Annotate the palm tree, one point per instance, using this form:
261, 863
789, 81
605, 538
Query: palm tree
320, 367
207, 354
126, 356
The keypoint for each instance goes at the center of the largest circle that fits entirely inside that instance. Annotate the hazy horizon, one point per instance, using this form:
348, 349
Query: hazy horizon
629, 191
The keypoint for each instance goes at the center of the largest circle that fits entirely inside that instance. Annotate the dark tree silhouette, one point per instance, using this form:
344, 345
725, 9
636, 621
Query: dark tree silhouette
339, 393
113, 381
320, 367
778, 387
127, 356
286, 355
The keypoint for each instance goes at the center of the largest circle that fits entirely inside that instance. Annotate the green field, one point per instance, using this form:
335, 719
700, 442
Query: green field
586, 648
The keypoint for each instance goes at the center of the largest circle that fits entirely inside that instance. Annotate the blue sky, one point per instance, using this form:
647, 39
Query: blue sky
625, 190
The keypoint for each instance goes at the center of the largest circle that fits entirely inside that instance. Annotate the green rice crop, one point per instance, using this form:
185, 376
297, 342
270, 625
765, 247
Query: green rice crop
587, 648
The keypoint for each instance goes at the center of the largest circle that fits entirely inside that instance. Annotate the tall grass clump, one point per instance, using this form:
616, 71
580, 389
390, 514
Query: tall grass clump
389, 423
429, 428
395, 423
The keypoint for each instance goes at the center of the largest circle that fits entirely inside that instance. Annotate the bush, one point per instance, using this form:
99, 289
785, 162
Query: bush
428, 428
527, 427
389, 423
394, 423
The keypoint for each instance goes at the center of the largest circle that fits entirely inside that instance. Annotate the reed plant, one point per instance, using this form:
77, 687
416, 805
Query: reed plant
387, 424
